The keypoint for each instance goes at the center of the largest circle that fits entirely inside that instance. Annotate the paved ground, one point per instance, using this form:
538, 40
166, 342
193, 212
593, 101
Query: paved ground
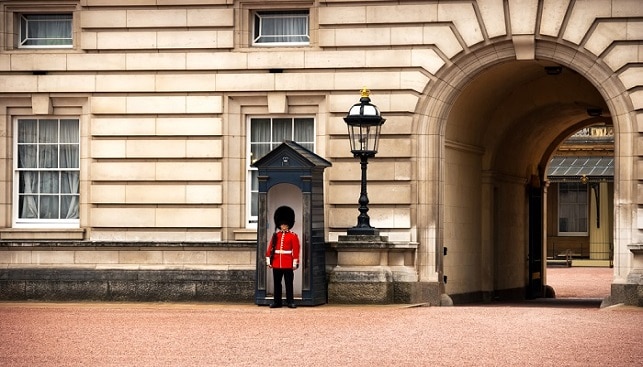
572, 333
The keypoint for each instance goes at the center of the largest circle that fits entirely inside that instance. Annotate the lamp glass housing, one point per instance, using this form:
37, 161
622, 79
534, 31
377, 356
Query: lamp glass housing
364, 125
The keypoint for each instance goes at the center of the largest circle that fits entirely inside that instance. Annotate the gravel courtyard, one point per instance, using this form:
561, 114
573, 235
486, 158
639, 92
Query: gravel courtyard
182, 334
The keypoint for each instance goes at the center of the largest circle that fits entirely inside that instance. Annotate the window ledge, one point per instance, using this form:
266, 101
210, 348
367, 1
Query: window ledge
9, 234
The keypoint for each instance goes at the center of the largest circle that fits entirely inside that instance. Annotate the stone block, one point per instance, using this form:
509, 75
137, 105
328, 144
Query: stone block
189, 126
217, 60
184, 257
341, 15
108, 148
303, 81
122, 217
92, 62
604, 35
156, 61
461, 14
493, 17
188, 217
631, 78
155, 148
246, 82
335, 59
34, 61
103, 19
153, 18
52, 257
583, 16
188, 171
276, 60
142, 257
66, 83
105, 194
96, 257
402, 14
123, 171
443, 37
206, 194
5, 62
244, 258
15, 257
125, 83
204, 104
119, 40
41, 104
193, 39
155, 194
185, 82
210, 17
523, 15
108, 105
553, 14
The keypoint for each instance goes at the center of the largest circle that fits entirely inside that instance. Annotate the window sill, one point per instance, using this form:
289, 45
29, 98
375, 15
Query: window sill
27, 234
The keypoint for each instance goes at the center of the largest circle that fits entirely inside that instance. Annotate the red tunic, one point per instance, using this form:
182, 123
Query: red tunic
286, 251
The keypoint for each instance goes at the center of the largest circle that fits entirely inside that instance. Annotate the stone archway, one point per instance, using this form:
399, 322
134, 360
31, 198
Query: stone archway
484, 130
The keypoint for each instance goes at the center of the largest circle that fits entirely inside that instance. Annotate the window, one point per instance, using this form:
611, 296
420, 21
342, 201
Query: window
572, 209
47, 171
265, 135
281, 28
45, 30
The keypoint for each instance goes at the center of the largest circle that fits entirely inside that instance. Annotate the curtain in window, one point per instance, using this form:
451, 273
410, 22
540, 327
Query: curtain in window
46, 189
45, 29
265, 135
281, 27
27, 158
572, 211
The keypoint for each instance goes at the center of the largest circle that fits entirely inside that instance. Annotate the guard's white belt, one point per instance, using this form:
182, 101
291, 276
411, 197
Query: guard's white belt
283, 252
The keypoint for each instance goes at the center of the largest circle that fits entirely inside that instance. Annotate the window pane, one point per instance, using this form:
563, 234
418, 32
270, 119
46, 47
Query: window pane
49, 207
48, 156
28, 206
69, 131
69, 156
281, 130
46, 30
572, 211
281, 27
27, 131
69, 206
48, 131
304, 130
69, 182
260, 130
27, 156
49, 182
28, 182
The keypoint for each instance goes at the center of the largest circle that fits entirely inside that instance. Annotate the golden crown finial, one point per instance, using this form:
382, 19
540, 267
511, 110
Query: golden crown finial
365, 92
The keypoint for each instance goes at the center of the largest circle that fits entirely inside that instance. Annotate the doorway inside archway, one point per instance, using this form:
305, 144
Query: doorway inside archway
503, 128
580, 214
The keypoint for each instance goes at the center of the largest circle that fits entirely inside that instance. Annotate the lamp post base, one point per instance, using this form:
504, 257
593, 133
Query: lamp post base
363, 231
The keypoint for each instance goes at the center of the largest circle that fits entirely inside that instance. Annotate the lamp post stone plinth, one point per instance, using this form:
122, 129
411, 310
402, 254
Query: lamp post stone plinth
370, 269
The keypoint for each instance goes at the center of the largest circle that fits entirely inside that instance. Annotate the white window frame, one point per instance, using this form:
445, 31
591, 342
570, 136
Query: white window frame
258, 16
251, 221
23, 17
37, 222
587, 203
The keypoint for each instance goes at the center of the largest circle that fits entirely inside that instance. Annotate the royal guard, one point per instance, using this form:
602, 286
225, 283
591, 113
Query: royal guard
282, 255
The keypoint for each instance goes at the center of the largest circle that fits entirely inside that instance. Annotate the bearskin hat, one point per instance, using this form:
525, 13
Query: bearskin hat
284, 215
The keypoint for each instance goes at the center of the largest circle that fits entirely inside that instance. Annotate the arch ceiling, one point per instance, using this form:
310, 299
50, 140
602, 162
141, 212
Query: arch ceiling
515, 111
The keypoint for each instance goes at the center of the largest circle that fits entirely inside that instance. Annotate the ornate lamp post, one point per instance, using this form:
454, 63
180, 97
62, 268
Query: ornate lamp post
364, 125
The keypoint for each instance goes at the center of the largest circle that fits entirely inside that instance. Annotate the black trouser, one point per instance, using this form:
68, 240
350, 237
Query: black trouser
288, 275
